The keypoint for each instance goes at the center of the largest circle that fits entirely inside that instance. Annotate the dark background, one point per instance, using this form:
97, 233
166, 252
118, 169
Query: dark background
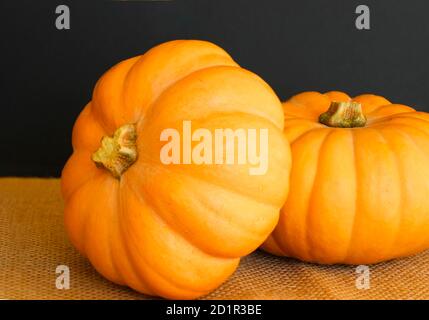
47, 75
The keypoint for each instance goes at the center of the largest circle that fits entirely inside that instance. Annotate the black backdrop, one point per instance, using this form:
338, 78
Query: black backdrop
47, 75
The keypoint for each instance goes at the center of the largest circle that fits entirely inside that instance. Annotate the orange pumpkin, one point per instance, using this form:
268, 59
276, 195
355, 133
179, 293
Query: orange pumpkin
359, 180
177, 230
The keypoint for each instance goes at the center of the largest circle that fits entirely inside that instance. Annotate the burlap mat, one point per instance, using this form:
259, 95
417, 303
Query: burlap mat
33, 244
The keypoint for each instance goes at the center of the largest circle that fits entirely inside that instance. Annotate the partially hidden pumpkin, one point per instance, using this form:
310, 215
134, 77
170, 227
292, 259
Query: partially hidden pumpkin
359, 180
172, 230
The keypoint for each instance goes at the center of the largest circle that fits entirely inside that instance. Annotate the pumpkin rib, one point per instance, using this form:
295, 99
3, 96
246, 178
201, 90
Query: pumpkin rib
140, 277
292, 121
215, 115
260, 113
126, 82
150, 108
176, 170
365, 218
401, 177
212, 51
84, 221
179, 230
99, 122
409, 136
305, 131
389, 121
296, 98
337, 96
371, 101
150, 160
296, 115
396, 105
412, 141
111, 237
326, 207
78, 245
78, 135
95, 104
236, 192
166, 278
87, 240
291, 250
374, 118
71, 192
308, 214
232, 186
404, 125
155, 208
143, 281
146, 262
356, 205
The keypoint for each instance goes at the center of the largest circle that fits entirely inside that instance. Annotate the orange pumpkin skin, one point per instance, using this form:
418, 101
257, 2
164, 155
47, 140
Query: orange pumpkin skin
358, 195
175, 231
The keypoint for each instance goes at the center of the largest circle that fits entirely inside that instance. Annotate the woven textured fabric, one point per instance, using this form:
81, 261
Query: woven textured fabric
33, 243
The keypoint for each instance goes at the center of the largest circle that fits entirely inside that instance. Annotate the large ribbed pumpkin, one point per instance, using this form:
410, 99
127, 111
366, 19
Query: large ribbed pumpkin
359, 189
172, 230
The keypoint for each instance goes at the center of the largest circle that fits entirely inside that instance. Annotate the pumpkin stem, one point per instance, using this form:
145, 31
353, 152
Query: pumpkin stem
343, 115
119, 152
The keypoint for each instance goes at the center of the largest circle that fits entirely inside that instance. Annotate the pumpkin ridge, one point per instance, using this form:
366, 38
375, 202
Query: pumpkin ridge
356, 205
126, 82
88, 112
237, 191
393, 126
312, 191
407, 126
260, 114
387, 123
190, 174
150, 107
80, 185
166, 278
239, 194
117, 233
179, 230
156, 208
371, 101
95, 104
130, 261
316, 127
87, 231
401, 177
76, 195
292, 249
207, 49
413, 142
146, 261
410, 110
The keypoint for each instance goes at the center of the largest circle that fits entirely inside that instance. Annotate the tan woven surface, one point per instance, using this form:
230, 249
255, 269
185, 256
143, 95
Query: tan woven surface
33, 244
